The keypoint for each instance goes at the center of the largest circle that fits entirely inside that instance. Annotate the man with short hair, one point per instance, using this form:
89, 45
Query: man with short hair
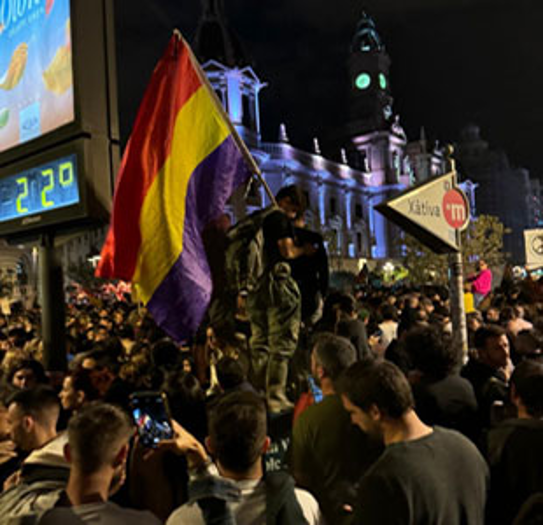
492, 315
237, 440
97, 450
231, 376
441, 395
32, 420
425, 475
489, 370
32, 417
514, 447
8, 456
329, 454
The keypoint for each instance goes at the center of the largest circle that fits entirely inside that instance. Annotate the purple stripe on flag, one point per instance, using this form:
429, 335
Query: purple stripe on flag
180, 301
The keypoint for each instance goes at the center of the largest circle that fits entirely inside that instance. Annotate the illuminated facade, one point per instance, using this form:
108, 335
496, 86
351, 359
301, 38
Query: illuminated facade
373, 165
375, 162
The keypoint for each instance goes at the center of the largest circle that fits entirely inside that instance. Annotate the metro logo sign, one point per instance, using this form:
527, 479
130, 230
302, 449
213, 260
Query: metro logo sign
455, 208
434, 212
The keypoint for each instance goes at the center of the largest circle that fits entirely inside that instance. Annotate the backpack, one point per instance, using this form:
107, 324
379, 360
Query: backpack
244, 256
282, 506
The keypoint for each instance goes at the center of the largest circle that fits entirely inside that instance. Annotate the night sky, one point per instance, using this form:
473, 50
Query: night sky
453, 62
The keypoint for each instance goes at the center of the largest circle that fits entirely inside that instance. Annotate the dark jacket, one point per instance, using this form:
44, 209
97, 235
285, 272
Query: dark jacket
514, 453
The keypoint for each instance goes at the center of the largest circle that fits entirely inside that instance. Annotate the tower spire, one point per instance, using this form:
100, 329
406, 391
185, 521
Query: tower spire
282, 135
213, 9
215, 40
422, 135
366, 36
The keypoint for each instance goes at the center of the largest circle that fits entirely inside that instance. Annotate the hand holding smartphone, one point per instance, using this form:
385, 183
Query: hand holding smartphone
152, 417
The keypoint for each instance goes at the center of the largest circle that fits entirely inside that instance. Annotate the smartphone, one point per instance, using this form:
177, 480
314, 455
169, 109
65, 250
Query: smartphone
151, 416
315, 390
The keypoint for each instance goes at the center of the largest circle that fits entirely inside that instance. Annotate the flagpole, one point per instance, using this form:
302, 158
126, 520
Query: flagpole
237, 139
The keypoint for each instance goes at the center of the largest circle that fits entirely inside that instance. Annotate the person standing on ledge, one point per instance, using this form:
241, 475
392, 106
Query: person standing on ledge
274, 306
481, 282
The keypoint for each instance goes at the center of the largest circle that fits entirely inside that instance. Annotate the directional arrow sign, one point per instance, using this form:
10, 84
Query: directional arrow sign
434, 212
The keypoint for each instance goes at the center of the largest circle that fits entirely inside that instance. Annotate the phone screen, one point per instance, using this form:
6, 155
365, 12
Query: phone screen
151, 417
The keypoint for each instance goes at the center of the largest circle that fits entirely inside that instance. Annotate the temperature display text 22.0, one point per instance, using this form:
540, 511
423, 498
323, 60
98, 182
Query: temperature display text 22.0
39, 190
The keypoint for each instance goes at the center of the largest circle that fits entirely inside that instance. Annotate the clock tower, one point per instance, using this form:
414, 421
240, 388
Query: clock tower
375, 132
368, 67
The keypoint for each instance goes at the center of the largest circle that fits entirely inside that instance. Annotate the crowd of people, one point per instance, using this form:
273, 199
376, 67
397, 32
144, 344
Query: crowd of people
363, 410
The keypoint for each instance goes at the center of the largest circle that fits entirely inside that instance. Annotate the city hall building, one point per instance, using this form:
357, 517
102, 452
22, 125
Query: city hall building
375, 163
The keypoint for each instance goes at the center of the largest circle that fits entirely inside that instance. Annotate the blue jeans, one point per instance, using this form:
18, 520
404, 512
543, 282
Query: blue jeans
478, 298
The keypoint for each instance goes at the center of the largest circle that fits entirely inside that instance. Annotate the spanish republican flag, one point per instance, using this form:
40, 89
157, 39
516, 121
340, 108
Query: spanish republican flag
181, 164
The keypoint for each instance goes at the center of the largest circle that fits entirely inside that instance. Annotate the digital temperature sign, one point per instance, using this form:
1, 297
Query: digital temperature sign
41, 189
59, 133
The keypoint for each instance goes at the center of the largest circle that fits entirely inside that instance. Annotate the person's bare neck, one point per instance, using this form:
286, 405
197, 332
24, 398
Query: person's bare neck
255, 472
44, 436
84, 488
408, 427
327, 387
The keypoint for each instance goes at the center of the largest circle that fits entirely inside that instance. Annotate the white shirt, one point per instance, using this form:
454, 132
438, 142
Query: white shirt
389, 332
251, 509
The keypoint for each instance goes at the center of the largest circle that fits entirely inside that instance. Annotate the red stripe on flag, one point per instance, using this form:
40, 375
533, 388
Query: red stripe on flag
172, 84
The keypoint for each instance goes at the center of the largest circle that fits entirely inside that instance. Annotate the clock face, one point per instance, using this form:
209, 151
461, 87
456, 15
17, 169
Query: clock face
362, 81
382, 80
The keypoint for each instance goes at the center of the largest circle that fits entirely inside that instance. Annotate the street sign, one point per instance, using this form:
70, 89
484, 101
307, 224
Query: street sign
533, 247
434, 212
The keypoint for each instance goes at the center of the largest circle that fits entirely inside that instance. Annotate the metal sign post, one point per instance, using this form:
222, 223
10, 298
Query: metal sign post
435, 212
457, 280
52, 302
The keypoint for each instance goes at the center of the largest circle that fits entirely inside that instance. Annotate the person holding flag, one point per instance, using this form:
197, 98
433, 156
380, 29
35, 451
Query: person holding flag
183, 161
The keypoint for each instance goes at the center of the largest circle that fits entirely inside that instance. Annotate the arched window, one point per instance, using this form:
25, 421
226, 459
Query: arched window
359, 242
247, 112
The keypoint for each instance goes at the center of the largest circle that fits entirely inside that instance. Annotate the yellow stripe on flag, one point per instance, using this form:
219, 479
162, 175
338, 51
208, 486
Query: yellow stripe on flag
198, 131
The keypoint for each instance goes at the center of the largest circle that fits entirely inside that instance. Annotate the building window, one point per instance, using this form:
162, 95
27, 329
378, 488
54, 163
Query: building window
332, 206
359, 211
359, 242
247, 112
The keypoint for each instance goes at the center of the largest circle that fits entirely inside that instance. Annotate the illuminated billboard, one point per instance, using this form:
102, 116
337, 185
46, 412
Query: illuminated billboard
36, 73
